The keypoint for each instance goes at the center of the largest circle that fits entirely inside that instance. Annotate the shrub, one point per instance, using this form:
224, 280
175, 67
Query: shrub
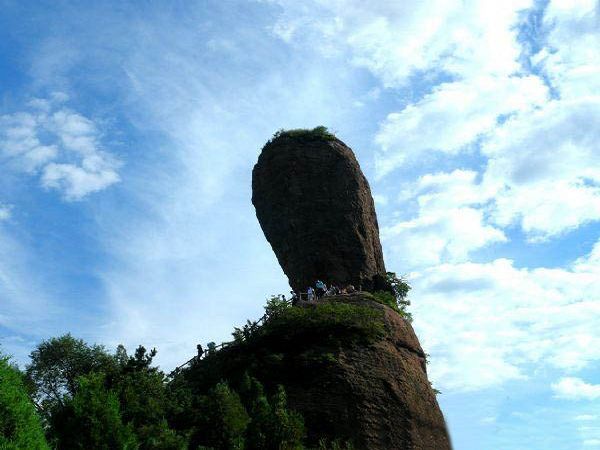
144, 402
224, 419
20, 426
57, 363
273, 425
328, 320
304, 134
276, 306
92, 419
395, 295
132, 392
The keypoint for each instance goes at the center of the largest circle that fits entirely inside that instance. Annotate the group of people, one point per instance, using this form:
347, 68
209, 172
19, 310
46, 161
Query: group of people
320, 290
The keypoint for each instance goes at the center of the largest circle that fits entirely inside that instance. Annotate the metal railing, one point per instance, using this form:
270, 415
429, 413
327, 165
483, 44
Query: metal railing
301, 296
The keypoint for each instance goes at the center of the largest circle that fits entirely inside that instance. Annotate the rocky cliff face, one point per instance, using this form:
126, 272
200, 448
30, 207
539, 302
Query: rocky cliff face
347, 384
315, 207
378, 395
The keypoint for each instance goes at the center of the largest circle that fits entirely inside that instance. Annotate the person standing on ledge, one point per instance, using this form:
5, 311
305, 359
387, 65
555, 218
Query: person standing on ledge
321, 288
311, 293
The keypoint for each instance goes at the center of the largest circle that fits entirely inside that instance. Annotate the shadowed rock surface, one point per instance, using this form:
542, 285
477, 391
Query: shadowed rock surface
371, 392
315, 207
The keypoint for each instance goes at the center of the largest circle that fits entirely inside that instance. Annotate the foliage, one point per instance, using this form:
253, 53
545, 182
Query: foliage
134, 391
223, 419
275, 306
145, 404
306, 134
246, 332
399, 286
93, 399
395, 295
287, 426
92, 419
57, 363
244, 417
20, 426
335, 320
273, 425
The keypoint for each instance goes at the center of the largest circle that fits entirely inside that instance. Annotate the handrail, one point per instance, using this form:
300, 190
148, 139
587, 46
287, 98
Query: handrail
223, 344
206, 351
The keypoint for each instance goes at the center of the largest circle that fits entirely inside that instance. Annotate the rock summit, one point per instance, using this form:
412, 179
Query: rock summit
315, 207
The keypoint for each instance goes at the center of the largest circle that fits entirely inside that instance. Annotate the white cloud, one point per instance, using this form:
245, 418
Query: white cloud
572, 388
23, 293
546, 168
545, 164
489, 420
380, 199
60, 145
449, 224
487, 323
572, 56
586, 417
543, 160
78, 181
394, 40
453, 116
438, 236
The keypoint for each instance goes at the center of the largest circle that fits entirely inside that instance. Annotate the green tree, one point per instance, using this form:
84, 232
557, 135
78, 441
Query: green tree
273, 425
144, 401
394, 295
56, 365
287, 426
91, 419
223, 420
276, 305
20, 426
399, 287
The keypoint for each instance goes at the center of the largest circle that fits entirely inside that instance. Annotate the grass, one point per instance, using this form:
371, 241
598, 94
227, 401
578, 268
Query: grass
303, 134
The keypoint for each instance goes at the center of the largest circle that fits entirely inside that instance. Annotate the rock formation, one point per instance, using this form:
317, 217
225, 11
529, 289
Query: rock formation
372, 393
315, 207
353, 367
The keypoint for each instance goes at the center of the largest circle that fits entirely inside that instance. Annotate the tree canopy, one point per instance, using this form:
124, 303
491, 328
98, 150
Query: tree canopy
20, 426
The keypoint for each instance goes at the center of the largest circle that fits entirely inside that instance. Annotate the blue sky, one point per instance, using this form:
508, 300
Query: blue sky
128, 132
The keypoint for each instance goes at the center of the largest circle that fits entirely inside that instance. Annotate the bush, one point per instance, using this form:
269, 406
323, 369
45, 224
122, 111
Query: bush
20, 426
133, 394
276, 306
92, 419
395, 295
304, 134
144, 402
223, 419
56, 365
273, 425
334, 320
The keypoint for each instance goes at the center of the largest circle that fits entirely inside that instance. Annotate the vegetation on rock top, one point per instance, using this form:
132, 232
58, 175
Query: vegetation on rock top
303, 134
395, 295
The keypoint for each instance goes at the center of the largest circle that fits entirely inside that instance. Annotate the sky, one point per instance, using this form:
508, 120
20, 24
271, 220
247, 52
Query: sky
128, 133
